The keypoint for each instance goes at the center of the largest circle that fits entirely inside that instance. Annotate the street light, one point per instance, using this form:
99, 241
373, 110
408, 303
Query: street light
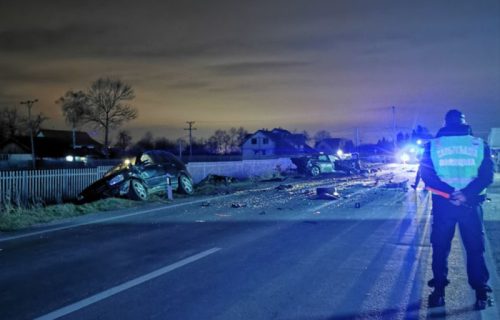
29, 104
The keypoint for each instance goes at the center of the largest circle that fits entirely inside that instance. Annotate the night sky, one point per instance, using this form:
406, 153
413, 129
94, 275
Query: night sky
301, 65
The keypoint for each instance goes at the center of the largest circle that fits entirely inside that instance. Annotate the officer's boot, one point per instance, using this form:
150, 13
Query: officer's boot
436, 298
483, 300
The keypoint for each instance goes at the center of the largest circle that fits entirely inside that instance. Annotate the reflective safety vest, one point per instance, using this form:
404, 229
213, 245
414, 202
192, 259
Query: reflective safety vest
456, 159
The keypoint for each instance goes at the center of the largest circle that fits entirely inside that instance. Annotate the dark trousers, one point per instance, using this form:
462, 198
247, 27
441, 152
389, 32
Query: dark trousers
470, 222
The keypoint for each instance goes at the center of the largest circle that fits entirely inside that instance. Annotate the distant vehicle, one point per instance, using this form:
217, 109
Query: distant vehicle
150, 172
317, 164
494, 142
314, 165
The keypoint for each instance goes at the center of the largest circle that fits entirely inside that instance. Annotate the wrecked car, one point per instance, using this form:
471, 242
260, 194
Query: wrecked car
314, 165
317, 164
149, 173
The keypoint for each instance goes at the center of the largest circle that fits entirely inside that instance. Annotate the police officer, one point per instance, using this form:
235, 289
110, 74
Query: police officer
460, 167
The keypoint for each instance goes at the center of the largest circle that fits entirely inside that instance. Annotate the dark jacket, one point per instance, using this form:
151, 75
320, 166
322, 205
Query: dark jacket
474, 188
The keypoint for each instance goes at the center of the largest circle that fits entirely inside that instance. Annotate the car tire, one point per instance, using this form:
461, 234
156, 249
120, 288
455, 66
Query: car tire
137, 191
185, 184
315, 171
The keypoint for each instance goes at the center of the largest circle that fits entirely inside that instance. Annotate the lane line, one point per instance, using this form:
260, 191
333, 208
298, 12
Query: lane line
170, 206
125, 286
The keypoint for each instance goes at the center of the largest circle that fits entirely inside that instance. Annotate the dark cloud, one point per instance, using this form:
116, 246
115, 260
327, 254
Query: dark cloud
187, 85
245, 68
67, 37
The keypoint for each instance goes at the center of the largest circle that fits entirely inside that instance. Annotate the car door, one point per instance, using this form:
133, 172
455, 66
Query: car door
152, 172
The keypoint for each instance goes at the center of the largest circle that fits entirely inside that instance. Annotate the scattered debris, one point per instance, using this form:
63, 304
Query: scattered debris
316, 212
200, 221
284, 187
238, 205
327, 193
357, 205
396, 185
205, 204
262, 213
275, 178
215, 179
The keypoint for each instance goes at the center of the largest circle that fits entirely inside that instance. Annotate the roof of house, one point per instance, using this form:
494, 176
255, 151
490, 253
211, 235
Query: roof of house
55, 146
82, 138
285, 141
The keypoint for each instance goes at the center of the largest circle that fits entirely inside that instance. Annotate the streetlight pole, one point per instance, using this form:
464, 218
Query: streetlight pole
29, 104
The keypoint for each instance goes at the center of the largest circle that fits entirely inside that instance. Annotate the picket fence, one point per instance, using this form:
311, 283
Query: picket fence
46, 186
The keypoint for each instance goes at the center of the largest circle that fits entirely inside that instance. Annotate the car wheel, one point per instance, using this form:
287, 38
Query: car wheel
137, 190
315, 171
185, 184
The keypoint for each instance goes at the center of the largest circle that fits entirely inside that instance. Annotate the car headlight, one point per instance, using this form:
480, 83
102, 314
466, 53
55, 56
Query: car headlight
119, 178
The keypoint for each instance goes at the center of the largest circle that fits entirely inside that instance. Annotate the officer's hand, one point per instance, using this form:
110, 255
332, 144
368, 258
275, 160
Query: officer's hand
458, 198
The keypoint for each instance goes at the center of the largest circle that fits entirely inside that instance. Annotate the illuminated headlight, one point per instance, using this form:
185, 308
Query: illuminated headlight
340, 153
119, 178
70, 158
405, 157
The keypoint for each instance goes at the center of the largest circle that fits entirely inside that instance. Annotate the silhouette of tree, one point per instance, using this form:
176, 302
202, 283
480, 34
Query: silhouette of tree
74, 105
124, 140
321, 135
107, 106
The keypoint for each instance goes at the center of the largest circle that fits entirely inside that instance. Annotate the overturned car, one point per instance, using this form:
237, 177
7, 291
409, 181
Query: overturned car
149, 173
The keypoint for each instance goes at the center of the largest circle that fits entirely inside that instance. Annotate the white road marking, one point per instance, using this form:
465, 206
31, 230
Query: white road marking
170, 206
125, 286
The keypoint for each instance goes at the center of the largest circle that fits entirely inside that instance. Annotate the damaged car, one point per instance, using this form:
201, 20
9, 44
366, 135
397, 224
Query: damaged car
149, 173
317, 164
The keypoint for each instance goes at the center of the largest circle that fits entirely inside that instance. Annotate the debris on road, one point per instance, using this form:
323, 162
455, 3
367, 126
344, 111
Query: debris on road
205, 204
215, 179
284, 187
238, 205
327, 193
397, 185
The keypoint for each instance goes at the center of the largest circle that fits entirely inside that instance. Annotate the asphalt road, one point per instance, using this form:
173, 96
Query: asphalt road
264, 254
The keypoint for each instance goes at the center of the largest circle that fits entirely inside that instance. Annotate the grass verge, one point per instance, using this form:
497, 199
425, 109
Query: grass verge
15, 218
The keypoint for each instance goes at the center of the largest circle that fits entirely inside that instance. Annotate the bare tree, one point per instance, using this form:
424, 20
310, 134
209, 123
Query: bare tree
124, 140
74, 106
12, 122
321, 135
146, 142
219, 142
107, 106
36, 123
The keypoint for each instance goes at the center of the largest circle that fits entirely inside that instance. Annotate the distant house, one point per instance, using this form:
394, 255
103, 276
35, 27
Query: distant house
51, 144
277, 142
332, 145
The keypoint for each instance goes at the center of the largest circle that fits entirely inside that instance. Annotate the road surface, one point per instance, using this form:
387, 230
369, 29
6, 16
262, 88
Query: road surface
277, 252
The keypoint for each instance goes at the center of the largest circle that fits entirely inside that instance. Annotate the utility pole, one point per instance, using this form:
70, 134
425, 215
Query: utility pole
394, 127
29, 104
357, 139
190, 123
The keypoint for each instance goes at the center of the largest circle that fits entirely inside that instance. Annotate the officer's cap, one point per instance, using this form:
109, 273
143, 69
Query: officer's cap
454, 117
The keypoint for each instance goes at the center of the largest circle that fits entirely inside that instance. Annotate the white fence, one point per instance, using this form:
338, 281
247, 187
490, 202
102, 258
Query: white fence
56, 186
47, 186
239, 169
